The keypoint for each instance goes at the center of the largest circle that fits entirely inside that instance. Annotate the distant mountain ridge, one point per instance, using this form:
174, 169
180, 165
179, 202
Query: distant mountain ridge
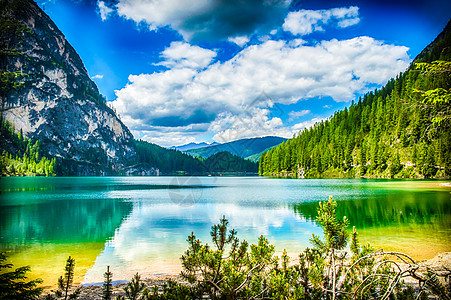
244, 148
191, 146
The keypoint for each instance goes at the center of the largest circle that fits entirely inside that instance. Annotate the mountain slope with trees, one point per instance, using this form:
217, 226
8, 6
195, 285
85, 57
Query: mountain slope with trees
175, 162
401, 130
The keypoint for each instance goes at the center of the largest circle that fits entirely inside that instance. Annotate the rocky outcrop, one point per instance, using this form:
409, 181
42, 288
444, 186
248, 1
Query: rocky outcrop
47, 94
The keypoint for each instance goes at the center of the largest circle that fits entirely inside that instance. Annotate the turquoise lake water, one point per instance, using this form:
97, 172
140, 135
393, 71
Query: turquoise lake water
140, 224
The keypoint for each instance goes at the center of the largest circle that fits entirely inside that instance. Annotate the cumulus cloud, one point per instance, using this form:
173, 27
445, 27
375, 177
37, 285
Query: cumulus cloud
239, 40
205, 19
255, 123
98, 76
304, 21
104, 10
286, 71
184, 55
306, 124
297, 114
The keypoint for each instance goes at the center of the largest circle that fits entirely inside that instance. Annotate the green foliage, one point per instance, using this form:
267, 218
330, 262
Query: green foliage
9, 80
395, 166
134, 288
167, 160
13, 284
171, 290
435, 66
27, 160
65, 283
231, 269
377, 136
107, 286
227, 162
334, 230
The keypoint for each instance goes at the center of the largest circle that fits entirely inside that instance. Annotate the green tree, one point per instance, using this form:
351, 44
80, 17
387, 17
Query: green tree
134, 288
107, 286
13, 284
231, 269
65, 283
395, 166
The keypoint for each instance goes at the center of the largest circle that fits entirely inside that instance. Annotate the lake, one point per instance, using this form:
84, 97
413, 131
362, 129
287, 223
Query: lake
140, 224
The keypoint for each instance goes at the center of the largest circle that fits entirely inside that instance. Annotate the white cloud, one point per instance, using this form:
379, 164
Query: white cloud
184, 55
239, 40
173, 138
286, 71
170, 136
297, 114
305, 125
254, 123
98, 76
104, 10
304, 22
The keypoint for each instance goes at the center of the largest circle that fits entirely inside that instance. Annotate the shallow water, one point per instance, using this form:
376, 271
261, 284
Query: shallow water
140, 224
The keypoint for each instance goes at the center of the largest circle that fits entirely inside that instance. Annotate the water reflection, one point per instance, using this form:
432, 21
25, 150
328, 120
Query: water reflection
389, 209
153, 237
72, 221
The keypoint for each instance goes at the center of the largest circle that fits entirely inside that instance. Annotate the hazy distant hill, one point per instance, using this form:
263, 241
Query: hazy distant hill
192, 146
243, 148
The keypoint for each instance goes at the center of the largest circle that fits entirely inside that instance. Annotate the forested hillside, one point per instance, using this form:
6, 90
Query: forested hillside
401, 130
170, 161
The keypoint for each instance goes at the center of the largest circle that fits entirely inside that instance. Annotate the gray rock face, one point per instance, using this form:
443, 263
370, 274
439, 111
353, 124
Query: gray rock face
47, 93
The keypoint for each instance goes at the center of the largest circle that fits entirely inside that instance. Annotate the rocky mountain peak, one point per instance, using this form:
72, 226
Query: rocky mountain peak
47, 94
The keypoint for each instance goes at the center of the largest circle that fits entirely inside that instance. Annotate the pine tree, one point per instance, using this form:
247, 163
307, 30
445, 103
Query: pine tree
134, 287
13, 285
65, 283
107, 286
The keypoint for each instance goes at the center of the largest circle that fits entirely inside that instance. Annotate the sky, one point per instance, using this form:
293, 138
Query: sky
181, 71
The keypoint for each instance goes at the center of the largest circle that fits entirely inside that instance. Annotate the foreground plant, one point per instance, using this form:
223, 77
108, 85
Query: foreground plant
65, 283
13, 284
231, 269
107, 292
134, 287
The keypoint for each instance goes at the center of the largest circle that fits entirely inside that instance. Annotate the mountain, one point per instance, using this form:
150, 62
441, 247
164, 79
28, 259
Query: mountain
243, 148
192, 146
47, 95
400, 131
53, 119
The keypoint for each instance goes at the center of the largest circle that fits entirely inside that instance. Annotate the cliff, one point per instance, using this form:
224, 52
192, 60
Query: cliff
47, 94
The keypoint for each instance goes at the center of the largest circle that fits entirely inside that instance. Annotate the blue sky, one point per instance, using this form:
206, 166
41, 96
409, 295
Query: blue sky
180, 71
